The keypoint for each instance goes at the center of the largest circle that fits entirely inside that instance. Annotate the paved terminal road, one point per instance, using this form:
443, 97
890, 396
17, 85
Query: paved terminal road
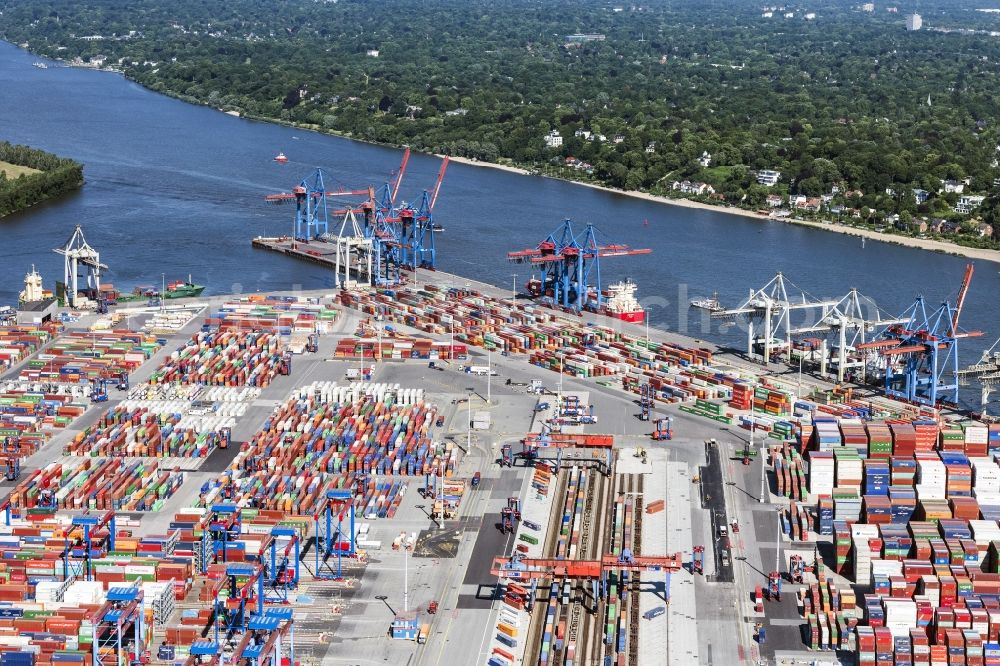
451, 565
479, 589
713, 498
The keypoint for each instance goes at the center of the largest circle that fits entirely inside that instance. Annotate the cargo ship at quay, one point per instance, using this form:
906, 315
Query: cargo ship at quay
235, 477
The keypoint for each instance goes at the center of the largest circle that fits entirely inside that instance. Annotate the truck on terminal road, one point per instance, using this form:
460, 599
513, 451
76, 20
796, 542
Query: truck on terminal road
481, 370
655, 612
355, 374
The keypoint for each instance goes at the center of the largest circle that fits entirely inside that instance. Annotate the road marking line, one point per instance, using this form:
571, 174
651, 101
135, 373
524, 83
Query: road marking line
447, 584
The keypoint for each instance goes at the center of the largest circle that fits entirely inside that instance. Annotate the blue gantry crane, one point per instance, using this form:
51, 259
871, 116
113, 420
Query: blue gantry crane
263, 644
417, 227
220, 527
244, 631
243, 585
334, 539
90, 538
312, 209
118, 628
921, 355
570, 267
280, 555
402, 235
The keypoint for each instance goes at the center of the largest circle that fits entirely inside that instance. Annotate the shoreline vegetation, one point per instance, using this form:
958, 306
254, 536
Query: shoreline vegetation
858, 134
41, 176
927, 244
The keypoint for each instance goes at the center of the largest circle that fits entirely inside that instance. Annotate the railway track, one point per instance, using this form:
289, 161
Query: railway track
536, 628
588, 642
560, 625
635, 617
569, 624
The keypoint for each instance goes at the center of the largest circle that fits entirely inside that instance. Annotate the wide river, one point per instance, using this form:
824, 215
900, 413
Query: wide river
178, 189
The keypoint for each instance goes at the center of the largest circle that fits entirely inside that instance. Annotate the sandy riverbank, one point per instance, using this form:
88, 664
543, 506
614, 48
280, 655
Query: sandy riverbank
907, 241
490, 165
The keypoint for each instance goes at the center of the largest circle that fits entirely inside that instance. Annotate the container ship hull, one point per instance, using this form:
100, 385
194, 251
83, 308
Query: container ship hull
188, 291
631, 317
173, 291
621, 302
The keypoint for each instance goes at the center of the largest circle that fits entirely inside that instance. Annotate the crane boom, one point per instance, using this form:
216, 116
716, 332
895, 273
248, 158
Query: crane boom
437, 185
547, 568
399, 176
969, 268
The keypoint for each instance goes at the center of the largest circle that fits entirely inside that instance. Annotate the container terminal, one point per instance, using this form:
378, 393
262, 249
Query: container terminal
441, 471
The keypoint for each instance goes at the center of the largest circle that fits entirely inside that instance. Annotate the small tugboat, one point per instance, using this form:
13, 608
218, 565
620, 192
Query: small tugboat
280, 158
711, 304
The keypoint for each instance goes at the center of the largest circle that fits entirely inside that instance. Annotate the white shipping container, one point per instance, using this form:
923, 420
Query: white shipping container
929, 492
977, 435
887, 567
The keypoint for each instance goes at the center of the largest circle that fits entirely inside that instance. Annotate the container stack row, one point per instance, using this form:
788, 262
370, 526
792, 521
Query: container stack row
912, 506
592, 351
80, 357
282, 315
400, 348
98, 483
830, 613
52, 618
255, 526
789, 472
19, 342
49, 632
30, 416
326, 435
162, 421
170, 322
224, 358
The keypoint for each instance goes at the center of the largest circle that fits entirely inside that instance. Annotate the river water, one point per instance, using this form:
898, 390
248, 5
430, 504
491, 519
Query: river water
178, 189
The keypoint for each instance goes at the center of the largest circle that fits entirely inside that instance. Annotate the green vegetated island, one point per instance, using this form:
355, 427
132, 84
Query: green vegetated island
29, 176
846, 111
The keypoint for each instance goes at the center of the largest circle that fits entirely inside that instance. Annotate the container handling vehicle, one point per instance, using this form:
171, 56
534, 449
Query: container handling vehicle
664, 429
11, 464
99, 390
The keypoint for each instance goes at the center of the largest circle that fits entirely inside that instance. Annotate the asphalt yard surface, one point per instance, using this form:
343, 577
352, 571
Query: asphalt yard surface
451, 564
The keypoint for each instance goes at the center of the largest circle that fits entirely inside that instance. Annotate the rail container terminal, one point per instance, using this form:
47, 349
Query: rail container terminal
282, 478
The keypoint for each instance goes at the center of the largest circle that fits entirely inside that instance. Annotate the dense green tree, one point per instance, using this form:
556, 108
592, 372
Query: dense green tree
849, 99
55, 176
